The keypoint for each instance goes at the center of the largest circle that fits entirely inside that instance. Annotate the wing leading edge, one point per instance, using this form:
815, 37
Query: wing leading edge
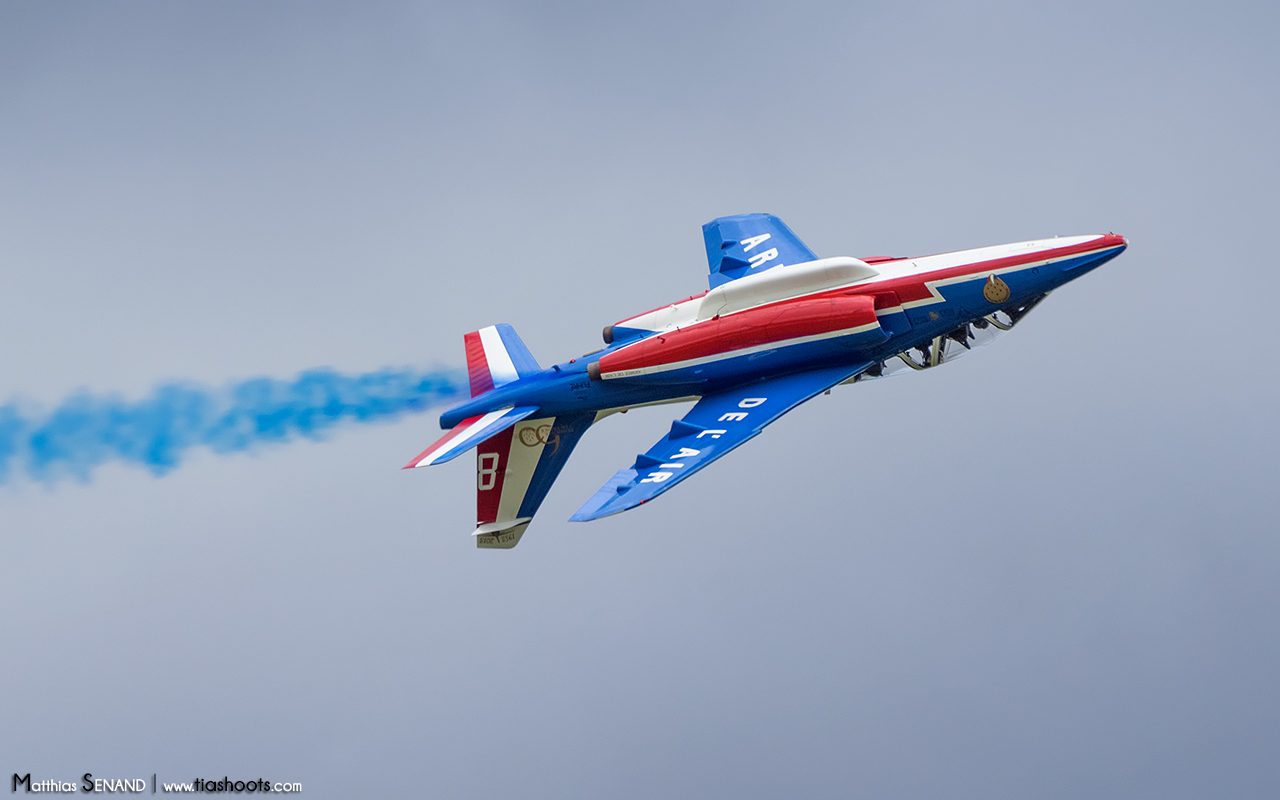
716, 425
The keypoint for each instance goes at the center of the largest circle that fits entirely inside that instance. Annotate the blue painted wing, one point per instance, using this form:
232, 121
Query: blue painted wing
717, 424
749, 244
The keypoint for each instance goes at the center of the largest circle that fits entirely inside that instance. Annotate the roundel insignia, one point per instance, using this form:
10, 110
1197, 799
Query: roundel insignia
995, 290
529, 437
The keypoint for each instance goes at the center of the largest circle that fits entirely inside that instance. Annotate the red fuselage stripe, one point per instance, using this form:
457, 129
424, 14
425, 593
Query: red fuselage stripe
775, 322
915, 287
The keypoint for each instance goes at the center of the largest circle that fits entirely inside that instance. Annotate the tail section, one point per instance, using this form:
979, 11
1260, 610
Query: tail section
515, 470
496, 356
517, 459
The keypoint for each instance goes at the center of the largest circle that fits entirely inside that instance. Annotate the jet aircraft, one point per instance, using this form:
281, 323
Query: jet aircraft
777, 326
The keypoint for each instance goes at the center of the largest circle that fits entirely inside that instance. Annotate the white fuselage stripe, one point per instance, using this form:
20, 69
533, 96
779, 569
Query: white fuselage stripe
977, 275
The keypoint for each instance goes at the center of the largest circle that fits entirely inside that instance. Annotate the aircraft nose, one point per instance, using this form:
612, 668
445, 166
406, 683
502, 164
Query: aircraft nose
1110, 241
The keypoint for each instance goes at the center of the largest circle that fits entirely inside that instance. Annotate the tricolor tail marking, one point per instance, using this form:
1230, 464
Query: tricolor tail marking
469, 433
496, 357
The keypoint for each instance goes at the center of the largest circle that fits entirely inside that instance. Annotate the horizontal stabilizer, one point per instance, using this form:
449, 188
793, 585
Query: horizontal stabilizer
469, 433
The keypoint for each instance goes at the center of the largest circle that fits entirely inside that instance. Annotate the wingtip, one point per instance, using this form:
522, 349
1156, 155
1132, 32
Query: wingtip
592, 511
588, 512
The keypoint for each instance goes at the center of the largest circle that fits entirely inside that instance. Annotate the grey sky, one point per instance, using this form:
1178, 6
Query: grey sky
1050, 570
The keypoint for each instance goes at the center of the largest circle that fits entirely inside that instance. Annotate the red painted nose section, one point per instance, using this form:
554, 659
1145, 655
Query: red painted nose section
1110, 240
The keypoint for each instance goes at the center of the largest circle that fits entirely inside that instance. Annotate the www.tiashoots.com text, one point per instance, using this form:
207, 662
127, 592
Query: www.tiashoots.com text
88, 783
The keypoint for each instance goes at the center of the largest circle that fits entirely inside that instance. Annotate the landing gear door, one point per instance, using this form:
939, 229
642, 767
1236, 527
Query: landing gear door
974, 333
947, 347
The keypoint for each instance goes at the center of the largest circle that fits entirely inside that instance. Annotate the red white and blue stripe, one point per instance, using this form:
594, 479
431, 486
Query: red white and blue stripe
496, 357
469, 433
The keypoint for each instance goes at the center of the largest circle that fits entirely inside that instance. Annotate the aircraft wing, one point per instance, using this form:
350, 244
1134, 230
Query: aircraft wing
717, 424
748, 244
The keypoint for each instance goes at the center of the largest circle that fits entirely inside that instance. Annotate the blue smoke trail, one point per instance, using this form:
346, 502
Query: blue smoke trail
87, 431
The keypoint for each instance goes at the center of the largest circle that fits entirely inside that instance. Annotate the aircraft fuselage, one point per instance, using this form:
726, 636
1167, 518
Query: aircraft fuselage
828, 312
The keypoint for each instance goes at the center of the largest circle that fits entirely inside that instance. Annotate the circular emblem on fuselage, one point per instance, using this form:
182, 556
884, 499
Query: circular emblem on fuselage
532, 437
995, 290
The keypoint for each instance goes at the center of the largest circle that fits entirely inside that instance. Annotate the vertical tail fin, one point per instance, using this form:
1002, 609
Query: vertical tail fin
496, 356
515, 470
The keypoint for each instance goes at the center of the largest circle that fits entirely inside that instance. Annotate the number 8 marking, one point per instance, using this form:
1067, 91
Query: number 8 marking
486, 471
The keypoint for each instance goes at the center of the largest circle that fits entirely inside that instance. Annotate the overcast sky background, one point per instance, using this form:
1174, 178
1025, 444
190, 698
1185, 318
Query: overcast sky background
1050, 570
